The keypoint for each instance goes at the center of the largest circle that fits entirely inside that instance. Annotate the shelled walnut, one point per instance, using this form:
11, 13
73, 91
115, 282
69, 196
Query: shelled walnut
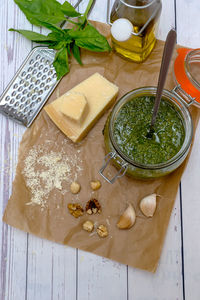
75, 209
93, 206
88, 226
102, 231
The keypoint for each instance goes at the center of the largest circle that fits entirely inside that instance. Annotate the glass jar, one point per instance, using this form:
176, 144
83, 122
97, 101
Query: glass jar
144, 16
127, 166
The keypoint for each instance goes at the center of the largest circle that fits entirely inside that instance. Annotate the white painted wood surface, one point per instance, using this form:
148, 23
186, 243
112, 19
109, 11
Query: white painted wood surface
32, 268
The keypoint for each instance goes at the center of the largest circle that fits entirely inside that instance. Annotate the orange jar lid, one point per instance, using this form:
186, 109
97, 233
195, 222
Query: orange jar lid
187, 72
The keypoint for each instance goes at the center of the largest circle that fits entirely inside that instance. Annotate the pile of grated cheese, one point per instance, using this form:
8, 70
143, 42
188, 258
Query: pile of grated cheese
44, 172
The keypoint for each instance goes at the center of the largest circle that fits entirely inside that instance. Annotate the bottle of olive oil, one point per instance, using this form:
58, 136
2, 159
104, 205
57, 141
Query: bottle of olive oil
144, 15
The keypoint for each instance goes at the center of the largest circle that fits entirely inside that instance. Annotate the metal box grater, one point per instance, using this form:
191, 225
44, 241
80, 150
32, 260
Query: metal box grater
31, 86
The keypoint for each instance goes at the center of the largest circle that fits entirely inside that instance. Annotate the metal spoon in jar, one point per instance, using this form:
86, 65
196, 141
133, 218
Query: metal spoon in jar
166, 58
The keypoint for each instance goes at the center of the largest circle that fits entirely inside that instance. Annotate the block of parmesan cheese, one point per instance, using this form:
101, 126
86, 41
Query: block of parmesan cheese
74, 106
100, 94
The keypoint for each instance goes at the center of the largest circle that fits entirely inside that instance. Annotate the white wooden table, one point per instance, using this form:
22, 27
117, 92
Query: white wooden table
36, 269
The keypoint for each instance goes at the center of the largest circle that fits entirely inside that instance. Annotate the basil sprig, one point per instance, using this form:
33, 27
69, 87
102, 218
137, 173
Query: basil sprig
67, 42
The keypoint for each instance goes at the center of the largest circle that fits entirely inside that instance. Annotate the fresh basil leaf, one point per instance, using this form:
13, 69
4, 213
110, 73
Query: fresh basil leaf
69, 49
56, 36
37, 11
89, 38
69, 10
34, 36
58, 45
60, 63
76, 53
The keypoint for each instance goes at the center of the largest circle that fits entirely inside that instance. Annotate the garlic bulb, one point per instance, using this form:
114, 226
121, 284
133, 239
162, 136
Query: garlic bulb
148, 205
127, 220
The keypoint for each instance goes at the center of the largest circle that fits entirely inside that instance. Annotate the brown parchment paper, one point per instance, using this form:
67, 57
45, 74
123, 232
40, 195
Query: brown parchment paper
139, 246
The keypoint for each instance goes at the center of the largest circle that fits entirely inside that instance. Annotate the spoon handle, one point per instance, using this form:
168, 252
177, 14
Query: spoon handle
166, 58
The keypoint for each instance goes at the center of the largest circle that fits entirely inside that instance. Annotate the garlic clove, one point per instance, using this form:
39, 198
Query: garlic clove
127, 220
148, 205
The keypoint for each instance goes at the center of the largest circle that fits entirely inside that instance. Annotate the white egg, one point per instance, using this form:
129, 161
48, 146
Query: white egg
121, 29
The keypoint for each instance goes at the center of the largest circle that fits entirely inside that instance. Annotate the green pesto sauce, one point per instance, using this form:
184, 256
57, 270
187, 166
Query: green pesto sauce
132, 125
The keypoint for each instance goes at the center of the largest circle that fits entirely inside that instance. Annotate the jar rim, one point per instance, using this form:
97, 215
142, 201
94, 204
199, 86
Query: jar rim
138, 7
192, 56
185, 114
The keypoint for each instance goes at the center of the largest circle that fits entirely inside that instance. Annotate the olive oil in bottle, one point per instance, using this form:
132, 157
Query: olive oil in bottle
142, 14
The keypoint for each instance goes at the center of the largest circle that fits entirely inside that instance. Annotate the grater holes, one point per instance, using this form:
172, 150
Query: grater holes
50, 72
23, 99
23, 74
12, 101
38, 100
20, 89
40, 92
42, 85
36, 89
30, 112
21, 106
33, 79
15, 86
44, 77
34, 72
31, 61
54, 75
37, 82
38, 56
28, 76
39, 74
29, 94
41, 67
46, 87
36, 64
42, 59
31, 86
18, 96
26, 109
21, 81
47, 62
7, 98
25, 91
48, 80
34, 97
30, 69
14, 94
26, 84
28, 102
16, 104
45, 70
32, 105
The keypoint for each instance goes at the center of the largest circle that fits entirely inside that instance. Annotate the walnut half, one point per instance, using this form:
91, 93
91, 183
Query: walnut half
102, 231
93, 206
75, 209
88, 226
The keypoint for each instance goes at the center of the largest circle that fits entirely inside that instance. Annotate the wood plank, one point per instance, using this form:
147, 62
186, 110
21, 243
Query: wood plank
166, 283
100, 278
13, 243
188, 24
51, 268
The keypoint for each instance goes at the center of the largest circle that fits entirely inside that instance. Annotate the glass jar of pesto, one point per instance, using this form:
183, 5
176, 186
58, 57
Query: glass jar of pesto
125, 132
125, 135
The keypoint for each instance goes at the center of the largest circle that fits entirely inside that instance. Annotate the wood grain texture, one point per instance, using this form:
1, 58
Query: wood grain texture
13, 243
188, 28
32, 268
